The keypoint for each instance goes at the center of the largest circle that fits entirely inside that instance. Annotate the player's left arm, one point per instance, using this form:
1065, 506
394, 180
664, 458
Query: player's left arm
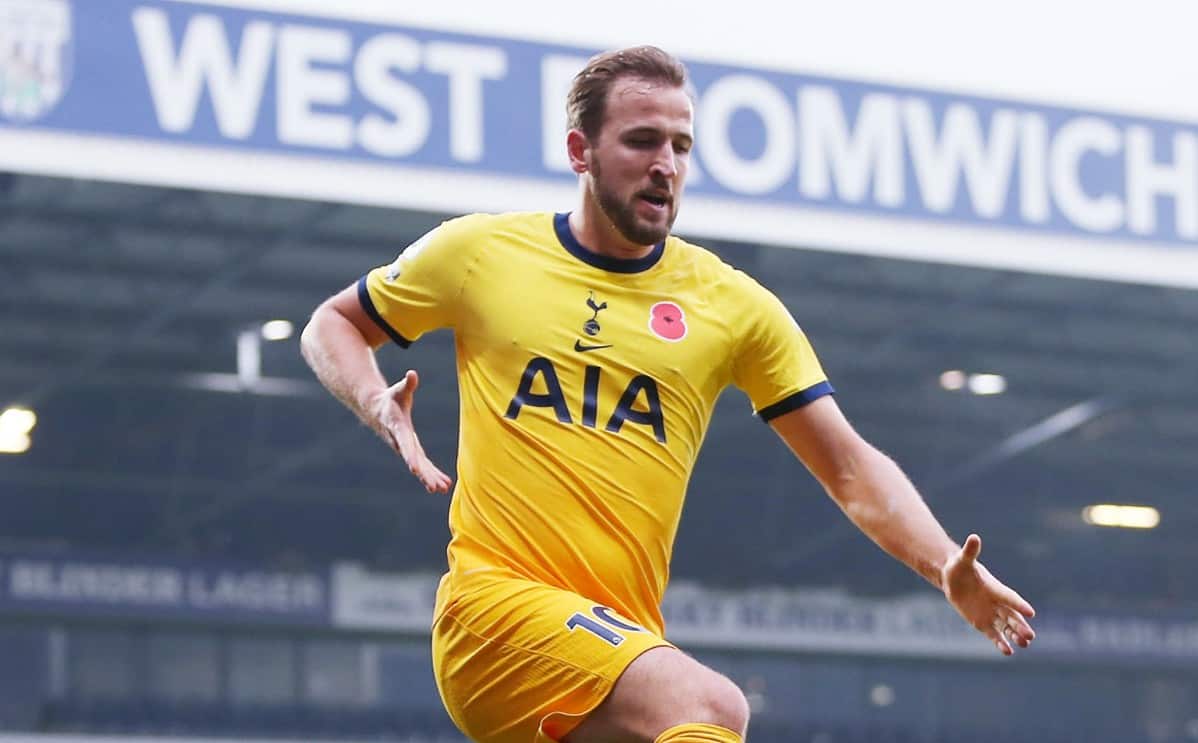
879, 499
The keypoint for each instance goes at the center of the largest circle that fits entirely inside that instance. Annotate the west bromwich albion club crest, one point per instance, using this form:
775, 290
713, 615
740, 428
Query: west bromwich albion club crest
35, 57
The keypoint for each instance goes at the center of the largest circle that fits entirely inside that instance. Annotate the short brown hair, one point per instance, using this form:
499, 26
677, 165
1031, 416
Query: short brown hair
587, 102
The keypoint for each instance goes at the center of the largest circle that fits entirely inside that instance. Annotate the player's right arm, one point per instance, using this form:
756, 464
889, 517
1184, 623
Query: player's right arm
420, 291
339, 344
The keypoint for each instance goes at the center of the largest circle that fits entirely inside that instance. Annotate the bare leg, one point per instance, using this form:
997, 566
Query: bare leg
661, 689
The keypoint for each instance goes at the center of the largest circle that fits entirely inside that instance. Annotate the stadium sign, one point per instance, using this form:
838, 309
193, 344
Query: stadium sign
813, 621
162, 590
413, 118
920, 625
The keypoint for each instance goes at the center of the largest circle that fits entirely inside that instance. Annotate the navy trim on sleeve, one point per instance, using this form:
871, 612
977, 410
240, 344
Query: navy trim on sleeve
796, 401
561, 225
368, 305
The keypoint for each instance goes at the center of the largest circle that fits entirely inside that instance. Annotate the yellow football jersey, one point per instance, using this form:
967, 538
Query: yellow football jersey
586, 384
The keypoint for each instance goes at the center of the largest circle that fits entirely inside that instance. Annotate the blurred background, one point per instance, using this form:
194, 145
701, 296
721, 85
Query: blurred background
998, 268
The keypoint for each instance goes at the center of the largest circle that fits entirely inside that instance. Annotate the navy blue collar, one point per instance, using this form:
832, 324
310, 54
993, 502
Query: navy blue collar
561, 225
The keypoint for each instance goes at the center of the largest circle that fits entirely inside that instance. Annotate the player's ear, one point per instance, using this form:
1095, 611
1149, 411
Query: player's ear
578, 148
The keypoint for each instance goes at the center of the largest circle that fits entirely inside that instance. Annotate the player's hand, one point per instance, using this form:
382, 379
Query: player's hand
989, 606
393, 411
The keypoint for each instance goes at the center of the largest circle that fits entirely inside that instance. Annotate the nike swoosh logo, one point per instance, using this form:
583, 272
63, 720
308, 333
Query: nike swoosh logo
579, 347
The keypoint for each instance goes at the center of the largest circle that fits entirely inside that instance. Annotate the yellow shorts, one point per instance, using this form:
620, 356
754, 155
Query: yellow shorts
514, 658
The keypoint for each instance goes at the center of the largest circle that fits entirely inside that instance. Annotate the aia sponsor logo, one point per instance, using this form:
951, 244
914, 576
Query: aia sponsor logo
667, 321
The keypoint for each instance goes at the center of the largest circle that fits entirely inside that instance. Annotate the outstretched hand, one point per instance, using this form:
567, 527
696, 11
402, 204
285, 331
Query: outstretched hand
989, 606
393, 411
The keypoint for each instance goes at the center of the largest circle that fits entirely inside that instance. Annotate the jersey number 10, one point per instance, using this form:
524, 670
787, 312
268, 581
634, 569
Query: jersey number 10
603, 630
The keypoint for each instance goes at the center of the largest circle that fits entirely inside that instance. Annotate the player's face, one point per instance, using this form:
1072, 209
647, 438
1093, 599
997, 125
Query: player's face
639, 161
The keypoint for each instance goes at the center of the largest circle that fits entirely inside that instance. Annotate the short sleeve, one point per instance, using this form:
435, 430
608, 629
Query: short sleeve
421, 289
774, 363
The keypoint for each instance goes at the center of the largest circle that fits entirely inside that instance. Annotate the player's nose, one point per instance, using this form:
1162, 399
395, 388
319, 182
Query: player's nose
665, 162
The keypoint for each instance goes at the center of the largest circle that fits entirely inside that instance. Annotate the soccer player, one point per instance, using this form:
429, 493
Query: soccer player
591, 348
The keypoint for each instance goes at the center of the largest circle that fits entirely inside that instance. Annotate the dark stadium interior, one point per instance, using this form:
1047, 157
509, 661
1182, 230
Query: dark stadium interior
119, 299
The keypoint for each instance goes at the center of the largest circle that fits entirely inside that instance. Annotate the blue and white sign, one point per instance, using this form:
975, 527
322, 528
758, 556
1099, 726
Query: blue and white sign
318, 108
922, 625
377, 601
162, 590
814, 621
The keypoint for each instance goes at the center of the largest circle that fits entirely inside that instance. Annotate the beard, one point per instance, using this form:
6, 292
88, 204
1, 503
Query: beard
622, 214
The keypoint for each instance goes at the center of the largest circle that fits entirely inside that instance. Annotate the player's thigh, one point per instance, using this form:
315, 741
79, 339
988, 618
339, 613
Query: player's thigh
512, 657
663, 688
